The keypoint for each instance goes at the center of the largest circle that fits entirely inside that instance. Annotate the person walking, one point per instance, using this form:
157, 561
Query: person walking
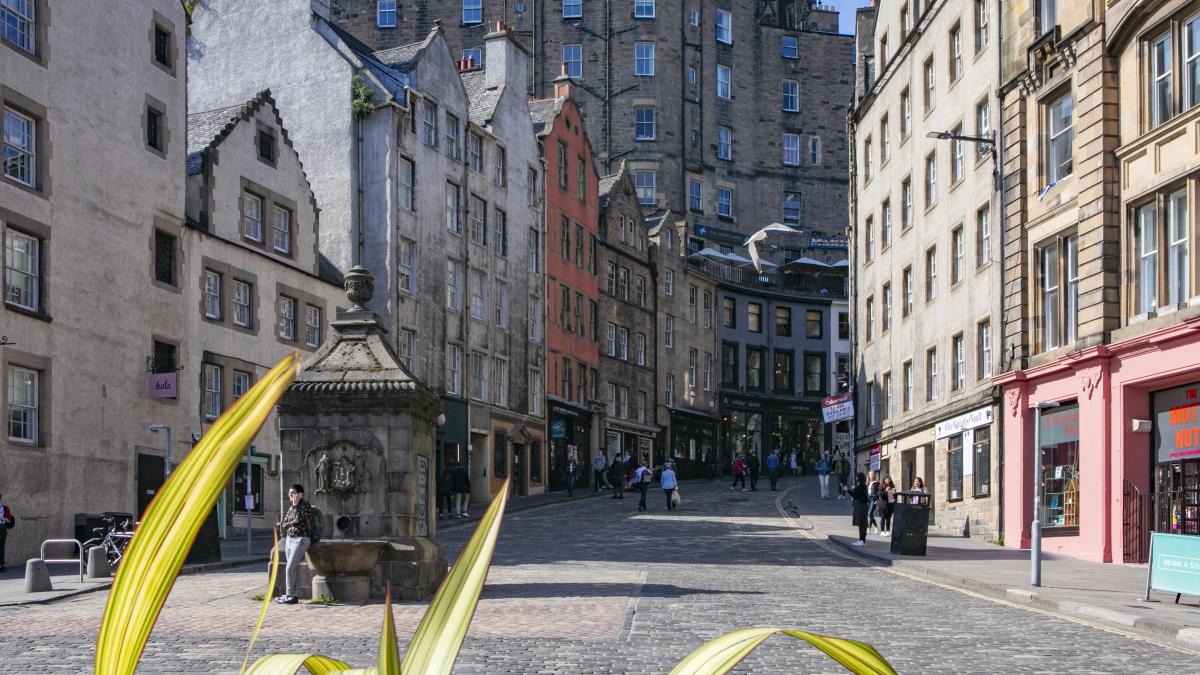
444, 495
841, 469
641, 478
860, 496
617, 471
872, 502
752, 463
570, 478
460, 484
7, 522
297, 527
739, 473
823, 469
887, 496
599, 464
793, 462
774, 464
669, 484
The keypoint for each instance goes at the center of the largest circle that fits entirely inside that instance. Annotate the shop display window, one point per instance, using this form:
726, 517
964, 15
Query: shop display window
1060, 470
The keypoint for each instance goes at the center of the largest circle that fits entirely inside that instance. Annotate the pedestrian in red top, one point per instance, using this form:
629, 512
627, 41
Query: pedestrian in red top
739, 473
7, 521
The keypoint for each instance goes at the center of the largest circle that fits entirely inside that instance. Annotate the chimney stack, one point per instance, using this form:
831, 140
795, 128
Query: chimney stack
563, 86
506, 59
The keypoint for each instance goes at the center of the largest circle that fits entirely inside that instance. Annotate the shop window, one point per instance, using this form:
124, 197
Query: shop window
1059, 440
982, 460
1177, 480
955, 462
535, 462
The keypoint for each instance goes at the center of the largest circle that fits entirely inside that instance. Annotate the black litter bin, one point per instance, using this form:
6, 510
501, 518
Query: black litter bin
910, 523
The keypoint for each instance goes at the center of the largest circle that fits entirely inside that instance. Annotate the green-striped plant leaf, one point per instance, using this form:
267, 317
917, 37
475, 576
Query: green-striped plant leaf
389, 651
170, 523
290, 664
721, 654
435, 645
262, 612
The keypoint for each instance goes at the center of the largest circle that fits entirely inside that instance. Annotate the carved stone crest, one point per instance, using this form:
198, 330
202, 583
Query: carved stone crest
1014, 401
1089, 380
341, 469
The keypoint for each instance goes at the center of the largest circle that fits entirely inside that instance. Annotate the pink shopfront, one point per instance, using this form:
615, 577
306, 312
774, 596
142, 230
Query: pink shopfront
1120, 453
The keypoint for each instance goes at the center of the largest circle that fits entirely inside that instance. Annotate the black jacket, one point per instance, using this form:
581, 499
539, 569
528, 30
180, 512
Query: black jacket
460, 481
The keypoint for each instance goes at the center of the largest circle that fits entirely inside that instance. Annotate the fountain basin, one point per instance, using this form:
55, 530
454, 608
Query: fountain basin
342, 568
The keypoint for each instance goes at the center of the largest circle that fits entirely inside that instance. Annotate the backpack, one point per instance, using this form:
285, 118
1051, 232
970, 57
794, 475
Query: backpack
318, 523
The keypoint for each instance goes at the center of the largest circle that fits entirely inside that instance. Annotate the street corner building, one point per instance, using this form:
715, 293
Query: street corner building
1100, 109
926, 256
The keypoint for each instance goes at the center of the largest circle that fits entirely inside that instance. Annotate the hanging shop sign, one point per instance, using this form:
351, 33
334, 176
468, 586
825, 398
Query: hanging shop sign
558, 428
162, 385
875, 452
829, 242
1177, 423
837, 408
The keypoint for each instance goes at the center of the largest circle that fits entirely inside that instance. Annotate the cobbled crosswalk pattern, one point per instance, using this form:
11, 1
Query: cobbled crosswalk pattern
593, 587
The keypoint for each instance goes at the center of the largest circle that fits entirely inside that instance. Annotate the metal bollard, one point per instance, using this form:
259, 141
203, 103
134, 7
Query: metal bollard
37, 576
97, 563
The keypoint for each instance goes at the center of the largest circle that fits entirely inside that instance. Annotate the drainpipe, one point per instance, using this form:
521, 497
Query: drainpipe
998, 158
356, 258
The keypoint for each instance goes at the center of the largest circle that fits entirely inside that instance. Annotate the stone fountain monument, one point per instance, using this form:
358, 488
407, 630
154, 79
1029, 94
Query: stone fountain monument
357, 430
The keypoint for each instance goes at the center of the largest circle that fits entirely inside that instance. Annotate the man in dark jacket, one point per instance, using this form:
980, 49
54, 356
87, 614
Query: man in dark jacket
753, 465
460, 485
617, 476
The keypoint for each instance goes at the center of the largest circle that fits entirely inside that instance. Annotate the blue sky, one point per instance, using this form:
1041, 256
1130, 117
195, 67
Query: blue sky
846, 8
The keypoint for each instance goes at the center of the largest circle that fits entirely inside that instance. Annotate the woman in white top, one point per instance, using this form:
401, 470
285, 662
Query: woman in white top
917, 486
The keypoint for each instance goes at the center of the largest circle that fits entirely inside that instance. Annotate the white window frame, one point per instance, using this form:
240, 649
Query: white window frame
572, 55
695, 195
931, 374
724, 27
643, 59
725, 201
312, 326
210, 391
454, 280
790, 92
669, 331
983, 332
1191, 60
793, 208
287, 318
22, 270
789, 47
454, 370
478, 283
724, 82
281, 225
385, 13
241, 295
724, 142
645, 181
1162, 79
472, 12
24, 19
640, 346
406, 266
643, 9
791, 150
572, 9
253, 212
20, 143
499, 382
24, 404
643, 123
212, 295
1060, 153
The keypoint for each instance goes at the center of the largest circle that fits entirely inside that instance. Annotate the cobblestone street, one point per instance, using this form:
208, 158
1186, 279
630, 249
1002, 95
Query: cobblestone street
592, 587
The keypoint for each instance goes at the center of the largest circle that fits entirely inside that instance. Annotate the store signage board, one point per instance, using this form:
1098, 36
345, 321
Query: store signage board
558, 428
1177, 423
1174, 563
957, 425
162, 385
828, 242
875, 450
837, 408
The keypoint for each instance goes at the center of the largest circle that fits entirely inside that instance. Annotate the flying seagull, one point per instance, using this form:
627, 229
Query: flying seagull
752, 242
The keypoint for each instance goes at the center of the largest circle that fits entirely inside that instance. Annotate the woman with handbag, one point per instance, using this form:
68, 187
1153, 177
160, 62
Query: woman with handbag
669, 484
859, 495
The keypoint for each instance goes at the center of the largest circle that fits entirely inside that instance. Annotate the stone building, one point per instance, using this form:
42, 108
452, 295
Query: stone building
728, 113
372, 130
254, 285
687, 350
774, 359
1100, 120
626, 319
92, 183
926, 254
572, 290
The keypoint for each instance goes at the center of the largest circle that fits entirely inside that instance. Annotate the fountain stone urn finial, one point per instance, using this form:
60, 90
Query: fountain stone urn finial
360, 287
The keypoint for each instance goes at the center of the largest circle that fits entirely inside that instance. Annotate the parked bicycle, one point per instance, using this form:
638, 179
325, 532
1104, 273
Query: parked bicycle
113, 537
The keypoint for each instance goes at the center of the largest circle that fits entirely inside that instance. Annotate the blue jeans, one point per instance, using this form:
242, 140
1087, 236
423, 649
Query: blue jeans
642, 489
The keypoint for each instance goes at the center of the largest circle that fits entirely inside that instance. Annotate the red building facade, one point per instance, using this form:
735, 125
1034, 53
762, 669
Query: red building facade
572, 360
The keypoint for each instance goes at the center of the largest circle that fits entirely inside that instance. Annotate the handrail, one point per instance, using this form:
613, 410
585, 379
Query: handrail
78, 547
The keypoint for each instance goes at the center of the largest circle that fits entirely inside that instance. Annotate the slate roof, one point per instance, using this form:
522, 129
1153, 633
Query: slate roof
482, 100
205, 129
542, 111
394, 79
402, 58
328, 271
607, 183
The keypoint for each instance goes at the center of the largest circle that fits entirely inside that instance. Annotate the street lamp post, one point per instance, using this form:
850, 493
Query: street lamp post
167, 452
986, 144
1035, 529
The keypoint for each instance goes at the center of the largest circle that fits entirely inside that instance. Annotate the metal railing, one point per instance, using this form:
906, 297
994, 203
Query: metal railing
78, 549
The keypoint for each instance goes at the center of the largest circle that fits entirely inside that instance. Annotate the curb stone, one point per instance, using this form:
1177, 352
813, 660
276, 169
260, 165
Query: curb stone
1185, 633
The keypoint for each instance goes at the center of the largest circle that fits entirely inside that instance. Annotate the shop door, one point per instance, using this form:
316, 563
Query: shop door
927, 477
518, 471
150, 469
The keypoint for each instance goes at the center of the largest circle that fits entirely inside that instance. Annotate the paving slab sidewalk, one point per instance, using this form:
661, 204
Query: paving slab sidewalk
1106, 592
